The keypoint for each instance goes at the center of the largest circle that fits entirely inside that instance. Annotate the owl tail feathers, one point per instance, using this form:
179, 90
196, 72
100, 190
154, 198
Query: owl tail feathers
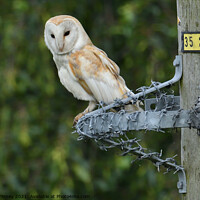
133, 107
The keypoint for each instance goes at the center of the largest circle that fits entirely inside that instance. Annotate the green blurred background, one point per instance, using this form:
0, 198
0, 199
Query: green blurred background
38, 153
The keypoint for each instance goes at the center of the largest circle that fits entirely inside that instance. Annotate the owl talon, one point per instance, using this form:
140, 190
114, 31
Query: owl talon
77, 118
75, 122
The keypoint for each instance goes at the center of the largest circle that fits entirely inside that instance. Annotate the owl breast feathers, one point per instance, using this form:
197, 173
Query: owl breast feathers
83, 69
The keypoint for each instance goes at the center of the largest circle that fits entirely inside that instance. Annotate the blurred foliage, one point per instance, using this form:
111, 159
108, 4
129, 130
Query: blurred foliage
38, 153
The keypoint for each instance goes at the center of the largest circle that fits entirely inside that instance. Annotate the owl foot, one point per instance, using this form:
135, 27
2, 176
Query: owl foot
77, 118
91, 106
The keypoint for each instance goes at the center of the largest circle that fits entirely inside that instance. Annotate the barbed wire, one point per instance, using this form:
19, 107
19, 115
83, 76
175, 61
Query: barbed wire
119, 139
109, 129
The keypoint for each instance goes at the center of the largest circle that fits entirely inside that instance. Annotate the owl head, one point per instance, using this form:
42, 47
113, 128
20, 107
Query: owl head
64, 34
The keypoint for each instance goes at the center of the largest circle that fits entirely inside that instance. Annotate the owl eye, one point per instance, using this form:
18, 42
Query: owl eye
67, 33
52, 35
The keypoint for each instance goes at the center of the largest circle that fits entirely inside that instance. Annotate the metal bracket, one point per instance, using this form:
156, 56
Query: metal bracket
171, 116
182, 185
106, 126
167, 102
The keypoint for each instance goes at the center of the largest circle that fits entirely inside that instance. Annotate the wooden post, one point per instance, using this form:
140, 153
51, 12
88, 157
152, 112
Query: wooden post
188, 13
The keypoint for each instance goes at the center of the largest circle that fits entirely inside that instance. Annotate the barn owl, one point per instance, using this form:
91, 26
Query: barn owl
83, 69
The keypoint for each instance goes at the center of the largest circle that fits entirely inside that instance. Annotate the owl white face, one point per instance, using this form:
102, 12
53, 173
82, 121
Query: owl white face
61, 38
64, 34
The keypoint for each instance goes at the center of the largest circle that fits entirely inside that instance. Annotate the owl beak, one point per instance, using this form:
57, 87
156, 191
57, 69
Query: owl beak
60, 45
61, 48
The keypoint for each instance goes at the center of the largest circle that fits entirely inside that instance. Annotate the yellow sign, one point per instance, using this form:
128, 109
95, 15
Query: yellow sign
191, 41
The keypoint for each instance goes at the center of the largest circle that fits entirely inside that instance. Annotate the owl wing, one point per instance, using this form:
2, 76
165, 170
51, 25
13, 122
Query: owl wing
97, 74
